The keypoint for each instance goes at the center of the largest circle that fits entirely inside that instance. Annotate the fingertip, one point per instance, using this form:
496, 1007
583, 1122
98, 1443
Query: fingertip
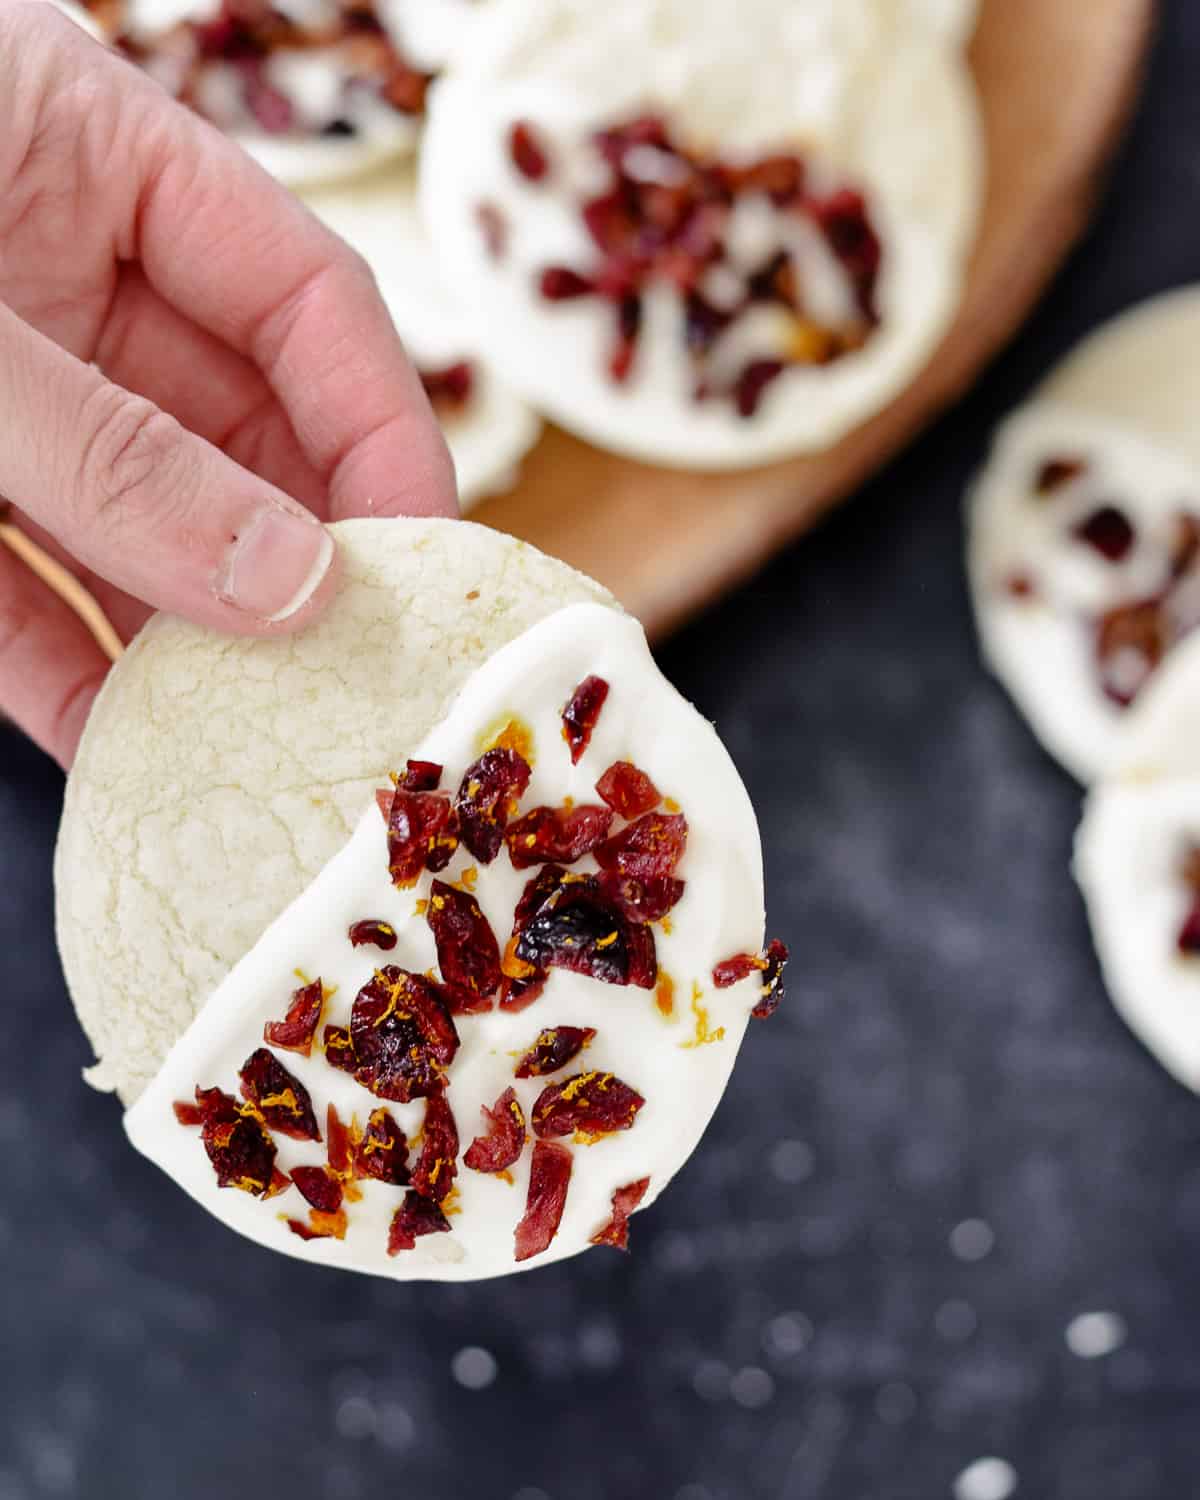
277, 571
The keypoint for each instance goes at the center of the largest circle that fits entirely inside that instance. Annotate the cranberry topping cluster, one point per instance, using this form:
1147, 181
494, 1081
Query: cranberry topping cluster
198, 61
665, 217
1131, 638
402, 1035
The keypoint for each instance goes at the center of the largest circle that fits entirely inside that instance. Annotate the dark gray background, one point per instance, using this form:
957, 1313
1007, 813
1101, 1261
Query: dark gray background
793, 1323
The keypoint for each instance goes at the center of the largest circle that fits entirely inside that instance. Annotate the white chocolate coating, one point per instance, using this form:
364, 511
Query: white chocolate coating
721, 912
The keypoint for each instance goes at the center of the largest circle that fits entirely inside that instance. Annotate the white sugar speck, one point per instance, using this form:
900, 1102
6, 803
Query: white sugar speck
972, 1239
986, 1479
787, 1334
356, 1417
710, 1380
474, 1367
792, 1161
752, 1387
1092, 1335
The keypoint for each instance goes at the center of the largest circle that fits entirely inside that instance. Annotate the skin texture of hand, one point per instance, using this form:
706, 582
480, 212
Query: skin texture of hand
193, 373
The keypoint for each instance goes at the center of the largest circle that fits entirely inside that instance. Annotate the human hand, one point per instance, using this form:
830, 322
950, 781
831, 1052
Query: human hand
192, 372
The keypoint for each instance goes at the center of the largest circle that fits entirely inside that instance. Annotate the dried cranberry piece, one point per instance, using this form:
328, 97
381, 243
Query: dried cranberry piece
549, 1177
337, 1143
1188, 940
576, 928
467, 950
624, 1201
450, 387
188, 1114
629, 326
640, 900
703, 324
1131, 640
561, 284
1019, 586
381, 1152
372, 933
740, 966
487, 798
279, 1096
339, 1049
403, 1035
494, 227
296, 1031
420, 776
580, 714
421, 835
556, 835
518, 994
649, 849
752, 382
236, 1140
1054, 473
554, 1049
627, 790
772, 985
505, 1138
846, 225
1185, 543
318, 1188
320, 1226
1107, 531
437, 1166
593, 1103
527, 152
415, 1217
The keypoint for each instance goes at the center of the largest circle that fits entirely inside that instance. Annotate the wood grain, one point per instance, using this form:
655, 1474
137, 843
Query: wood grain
1057, 80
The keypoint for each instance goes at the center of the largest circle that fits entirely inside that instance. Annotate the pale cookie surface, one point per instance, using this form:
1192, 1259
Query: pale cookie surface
490, 432
1136, 861
1083, 545
876, 107
216, 777
676, 1054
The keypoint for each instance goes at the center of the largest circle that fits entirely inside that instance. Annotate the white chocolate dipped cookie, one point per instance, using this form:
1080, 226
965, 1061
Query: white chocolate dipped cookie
1083, 545
482, 1030
1137, 861
315, 90
700, 236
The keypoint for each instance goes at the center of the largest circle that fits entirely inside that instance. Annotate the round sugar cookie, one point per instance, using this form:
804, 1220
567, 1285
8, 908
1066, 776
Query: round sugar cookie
488, 428
763, 250
217, 776
1137, 861
1083, 548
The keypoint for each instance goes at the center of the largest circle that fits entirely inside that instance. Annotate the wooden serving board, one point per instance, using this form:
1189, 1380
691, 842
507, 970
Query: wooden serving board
1057, 79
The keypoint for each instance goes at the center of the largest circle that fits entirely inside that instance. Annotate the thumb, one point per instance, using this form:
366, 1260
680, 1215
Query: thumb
147, 504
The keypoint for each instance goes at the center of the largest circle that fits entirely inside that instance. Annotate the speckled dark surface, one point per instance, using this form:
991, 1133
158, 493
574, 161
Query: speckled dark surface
794, 1324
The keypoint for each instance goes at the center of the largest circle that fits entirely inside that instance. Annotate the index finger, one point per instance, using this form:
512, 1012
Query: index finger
225, 244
